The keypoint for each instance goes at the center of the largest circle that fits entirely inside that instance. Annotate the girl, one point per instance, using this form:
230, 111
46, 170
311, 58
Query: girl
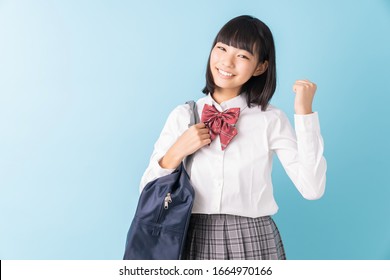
234, 144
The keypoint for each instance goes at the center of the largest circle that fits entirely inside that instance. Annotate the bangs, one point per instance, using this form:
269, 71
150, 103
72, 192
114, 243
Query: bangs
241, 35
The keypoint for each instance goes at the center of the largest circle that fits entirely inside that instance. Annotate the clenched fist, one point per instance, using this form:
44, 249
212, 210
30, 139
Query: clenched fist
304, 94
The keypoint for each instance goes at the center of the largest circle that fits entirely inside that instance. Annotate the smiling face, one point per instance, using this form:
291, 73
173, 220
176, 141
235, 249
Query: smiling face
232, 67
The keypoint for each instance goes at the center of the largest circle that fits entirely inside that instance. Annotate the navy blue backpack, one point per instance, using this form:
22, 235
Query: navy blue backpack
159, 227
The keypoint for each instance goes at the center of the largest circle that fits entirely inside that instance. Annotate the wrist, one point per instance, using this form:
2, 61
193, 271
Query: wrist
303, 111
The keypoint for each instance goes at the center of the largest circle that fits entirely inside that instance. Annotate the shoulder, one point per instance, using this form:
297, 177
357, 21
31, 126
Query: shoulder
271, 114
180, 110
274, 112
180, 116
183, 109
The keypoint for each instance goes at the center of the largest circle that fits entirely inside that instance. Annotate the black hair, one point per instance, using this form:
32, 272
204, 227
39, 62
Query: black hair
250, 34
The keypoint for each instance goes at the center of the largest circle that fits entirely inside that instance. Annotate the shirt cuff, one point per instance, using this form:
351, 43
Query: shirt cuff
307, 123
159, 171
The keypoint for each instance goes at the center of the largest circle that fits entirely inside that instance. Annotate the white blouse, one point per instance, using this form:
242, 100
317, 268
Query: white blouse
237, 181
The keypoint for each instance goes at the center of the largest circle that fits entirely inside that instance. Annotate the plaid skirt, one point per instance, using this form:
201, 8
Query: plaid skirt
229, 237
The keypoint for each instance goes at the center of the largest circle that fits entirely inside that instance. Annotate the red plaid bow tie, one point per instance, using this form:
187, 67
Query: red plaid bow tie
221, 123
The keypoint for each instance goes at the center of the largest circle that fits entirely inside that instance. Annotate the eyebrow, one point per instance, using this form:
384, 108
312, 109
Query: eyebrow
236, 48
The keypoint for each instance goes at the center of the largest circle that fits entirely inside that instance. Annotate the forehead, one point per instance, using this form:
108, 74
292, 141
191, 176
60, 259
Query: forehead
243, 36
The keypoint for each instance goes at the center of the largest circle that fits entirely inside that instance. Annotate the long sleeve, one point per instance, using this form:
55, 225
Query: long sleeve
300, 152
174, 127
237, 180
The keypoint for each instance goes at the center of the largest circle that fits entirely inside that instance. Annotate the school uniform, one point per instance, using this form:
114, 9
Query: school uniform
234, 202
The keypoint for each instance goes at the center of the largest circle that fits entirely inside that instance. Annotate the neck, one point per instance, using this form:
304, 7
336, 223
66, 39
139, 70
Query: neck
221, 95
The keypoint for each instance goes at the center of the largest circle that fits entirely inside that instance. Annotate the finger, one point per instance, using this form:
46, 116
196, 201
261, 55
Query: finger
301, 82
206, 142
204, 131
205, 136
200, 125
305, 82
299, 85
296, 86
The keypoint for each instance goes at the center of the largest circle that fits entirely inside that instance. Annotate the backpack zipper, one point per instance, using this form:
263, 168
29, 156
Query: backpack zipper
167, 200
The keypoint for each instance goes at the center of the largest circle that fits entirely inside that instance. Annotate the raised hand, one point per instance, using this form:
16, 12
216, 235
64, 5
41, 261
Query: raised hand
304, 95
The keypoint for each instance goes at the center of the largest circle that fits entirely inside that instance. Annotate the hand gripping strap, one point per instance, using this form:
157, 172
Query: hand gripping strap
194, 119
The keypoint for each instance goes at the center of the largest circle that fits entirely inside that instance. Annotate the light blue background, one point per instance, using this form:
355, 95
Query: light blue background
86, 86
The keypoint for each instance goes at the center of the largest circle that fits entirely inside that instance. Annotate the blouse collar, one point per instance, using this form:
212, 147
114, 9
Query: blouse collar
236, 102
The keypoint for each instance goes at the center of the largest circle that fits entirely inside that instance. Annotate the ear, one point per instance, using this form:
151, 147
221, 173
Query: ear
261, 68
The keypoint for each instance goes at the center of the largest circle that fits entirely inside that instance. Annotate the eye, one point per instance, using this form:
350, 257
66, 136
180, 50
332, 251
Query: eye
221, 48
243, 56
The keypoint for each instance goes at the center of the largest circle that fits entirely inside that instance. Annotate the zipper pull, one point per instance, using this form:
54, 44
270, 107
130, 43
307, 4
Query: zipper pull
167, 200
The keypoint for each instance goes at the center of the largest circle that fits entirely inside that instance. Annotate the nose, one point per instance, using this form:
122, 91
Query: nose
227, 60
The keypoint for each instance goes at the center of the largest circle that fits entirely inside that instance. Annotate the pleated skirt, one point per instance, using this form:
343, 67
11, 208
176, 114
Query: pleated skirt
229, 237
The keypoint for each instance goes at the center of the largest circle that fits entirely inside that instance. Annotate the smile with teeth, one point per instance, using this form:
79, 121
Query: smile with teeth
224, 73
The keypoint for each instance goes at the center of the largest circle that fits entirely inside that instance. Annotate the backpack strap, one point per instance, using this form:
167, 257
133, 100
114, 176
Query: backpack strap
194, 117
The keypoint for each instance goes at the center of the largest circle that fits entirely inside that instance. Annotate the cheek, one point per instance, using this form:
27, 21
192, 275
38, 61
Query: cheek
213, 58
244, 68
